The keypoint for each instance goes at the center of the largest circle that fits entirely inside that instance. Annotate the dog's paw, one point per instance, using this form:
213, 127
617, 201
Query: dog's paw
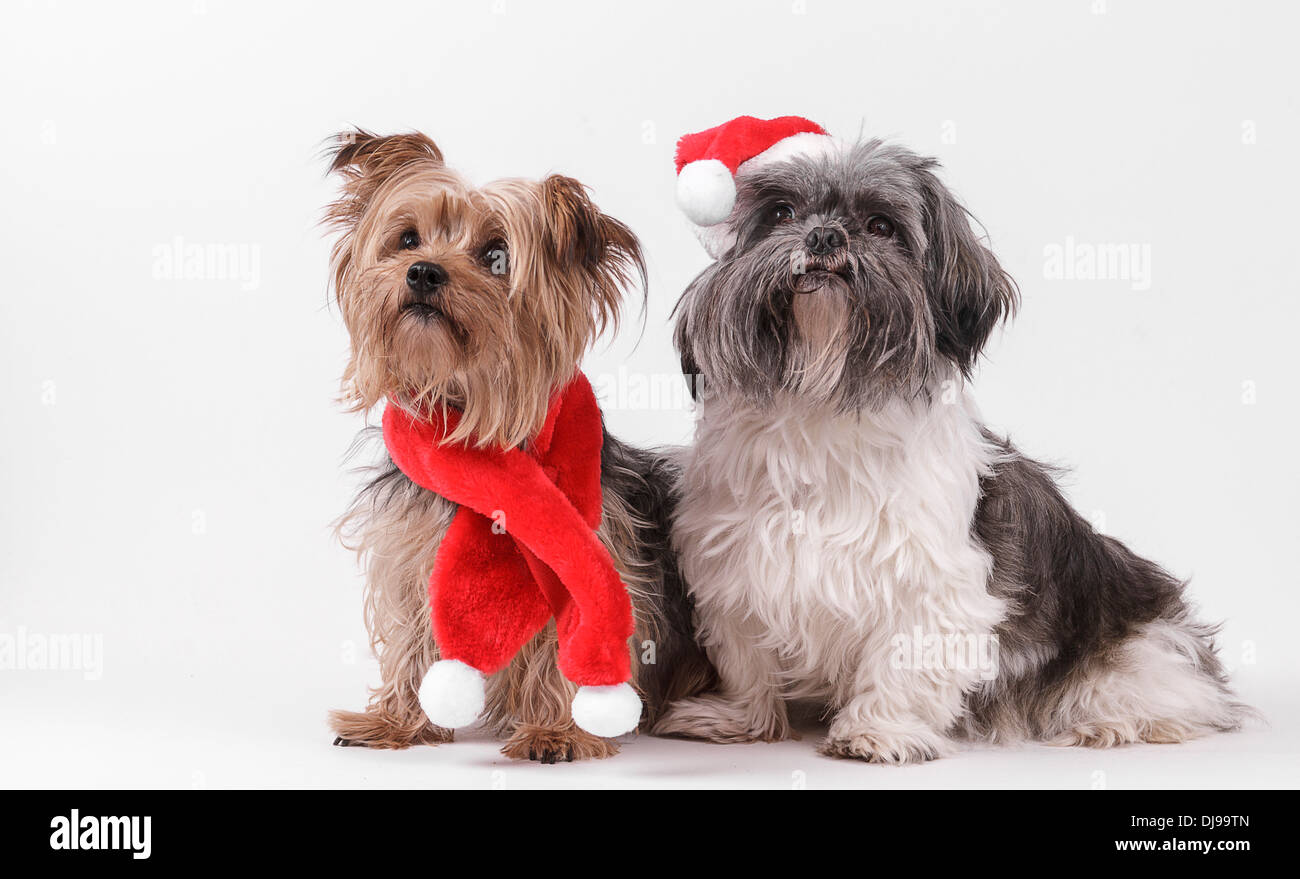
715, 719
1112, 735
379, 728
544, 745
893, 748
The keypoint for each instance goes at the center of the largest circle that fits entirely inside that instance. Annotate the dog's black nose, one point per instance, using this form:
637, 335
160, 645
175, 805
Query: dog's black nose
425, 277
823, 239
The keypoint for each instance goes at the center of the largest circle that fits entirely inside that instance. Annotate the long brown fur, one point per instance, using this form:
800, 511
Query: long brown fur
506, 341
511, 337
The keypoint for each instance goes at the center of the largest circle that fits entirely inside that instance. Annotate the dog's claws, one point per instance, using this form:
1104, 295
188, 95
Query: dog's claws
550, 756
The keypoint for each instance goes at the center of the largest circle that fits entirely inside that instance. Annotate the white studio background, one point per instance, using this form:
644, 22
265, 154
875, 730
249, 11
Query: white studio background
172, 453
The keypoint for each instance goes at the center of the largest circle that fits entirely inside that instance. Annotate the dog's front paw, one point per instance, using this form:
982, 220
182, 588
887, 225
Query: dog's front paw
894, 748
715, 719
383, 726
547, 745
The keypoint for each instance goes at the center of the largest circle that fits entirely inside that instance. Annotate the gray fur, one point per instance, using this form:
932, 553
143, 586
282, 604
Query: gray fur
923, 304
933, 291
1078, 596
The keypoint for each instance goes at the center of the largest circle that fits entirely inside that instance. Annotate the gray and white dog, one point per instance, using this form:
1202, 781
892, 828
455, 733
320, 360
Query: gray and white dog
854, 535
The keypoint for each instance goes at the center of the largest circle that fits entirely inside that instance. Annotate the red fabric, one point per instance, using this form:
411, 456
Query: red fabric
490, 592
734, 142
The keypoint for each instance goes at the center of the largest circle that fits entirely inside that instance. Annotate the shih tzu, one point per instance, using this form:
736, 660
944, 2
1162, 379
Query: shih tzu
482, 300
850, 531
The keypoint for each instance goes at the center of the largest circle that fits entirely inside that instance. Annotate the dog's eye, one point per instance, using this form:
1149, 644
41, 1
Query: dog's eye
782, 213
496, 257
881, 227
410, 239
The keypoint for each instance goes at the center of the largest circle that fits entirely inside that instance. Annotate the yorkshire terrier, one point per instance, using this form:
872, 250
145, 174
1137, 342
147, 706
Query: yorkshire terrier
484, 299
852, 533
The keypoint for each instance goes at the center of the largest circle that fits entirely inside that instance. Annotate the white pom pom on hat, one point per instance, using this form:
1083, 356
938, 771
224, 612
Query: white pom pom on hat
709, 161
706, 191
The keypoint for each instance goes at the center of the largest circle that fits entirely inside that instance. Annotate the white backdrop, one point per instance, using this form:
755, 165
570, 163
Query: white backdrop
171, 461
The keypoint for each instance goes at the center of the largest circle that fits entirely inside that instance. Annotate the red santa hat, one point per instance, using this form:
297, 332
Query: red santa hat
709, 161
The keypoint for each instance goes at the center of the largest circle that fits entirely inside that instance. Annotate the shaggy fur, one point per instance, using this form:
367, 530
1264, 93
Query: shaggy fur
850, 531
530, 273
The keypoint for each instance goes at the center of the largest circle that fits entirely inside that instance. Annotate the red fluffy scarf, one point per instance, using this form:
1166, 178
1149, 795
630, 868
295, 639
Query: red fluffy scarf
522, 547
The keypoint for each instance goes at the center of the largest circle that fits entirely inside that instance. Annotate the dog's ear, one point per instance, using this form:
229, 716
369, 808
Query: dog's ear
968, 291
365, 160
579, 236
364, 153
580, 232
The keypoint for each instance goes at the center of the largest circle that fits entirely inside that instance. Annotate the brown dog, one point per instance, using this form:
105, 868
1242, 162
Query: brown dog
485, 299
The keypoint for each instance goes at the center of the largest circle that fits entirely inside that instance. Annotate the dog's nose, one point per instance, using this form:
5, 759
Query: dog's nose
425, 277
823, 239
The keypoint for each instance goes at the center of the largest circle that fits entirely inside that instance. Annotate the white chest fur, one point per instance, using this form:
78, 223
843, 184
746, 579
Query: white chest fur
824, 538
